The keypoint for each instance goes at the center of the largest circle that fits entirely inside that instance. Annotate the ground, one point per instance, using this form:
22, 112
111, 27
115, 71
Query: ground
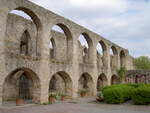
84, 105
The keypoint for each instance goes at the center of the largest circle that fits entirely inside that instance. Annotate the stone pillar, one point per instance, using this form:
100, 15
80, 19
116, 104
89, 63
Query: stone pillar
95, 69
44, 70
75, 66
3, 23
44, 91
118, 64
108, 65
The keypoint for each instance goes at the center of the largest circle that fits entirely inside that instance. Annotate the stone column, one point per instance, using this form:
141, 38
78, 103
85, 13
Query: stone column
75, 66
108, 65
95, 71
44, 70
3, 20
118, 54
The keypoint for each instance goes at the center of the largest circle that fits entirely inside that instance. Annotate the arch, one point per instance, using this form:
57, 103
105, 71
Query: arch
37, 23
114, 79
86, 49
113, 57
61, 82
104, 48
68, 38
101, 81
22, 83
33, 16
122, 58
102, 53
114, 50
101, 47
52, 47
86, 82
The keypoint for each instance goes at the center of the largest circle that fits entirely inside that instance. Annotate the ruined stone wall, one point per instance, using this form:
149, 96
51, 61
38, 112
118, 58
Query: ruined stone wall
138, 76
68, 60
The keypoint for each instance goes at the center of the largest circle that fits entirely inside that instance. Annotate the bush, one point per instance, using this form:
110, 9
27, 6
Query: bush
117, 94
141, 95
135, 85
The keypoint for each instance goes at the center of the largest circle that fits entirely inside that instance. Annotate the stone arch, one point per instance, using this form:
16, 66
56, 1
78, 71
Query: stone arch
61, 82
113, 57
37, 23
68, 37
33, 16
102, 53
101, 81
114, 79
122, 58
12, 88
52, 47
86, 82
86, 49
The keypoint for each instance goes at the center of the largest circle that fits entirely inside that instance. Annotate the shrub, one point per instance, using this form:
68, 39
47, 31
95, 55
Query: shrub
52, 95
82, 91
141, 95
135, 85
117, 94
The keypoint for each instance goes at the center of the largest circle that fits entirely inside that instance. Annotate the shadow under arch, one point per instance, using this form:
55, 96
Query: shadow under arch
12, 89
101, 81
86, 82
114, 79
113, 58
61, 82
122, 58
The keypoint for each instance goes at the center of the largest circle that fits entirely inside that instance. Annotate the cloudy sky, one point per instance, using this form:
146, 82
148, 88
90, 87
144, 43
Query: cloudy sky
125, 22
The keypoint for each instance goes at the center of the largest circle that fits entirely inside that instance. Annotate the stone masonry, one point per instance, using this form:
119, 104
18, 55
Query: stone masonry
25, 51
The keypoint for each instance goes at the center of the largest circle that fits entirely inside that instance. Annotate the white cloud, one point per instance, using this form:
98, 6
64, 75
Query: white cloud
100, 3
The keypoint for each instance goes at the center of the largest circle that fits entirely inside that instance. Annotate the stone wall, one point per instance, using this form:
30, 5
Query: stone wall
138, 76
37, 62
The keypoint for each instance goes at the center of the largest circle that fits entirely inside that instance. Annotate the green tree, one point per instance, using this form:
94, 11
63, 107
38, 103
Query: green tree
122, 74
142, 62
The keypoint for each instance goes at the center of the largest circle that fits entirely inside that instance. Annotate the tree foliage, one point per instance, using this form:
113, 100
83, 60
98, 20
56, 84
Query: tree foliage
122, 73
142, 62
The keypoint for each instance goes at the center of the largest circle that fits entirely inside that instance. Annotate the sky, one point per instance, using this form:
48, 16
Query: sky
124, 22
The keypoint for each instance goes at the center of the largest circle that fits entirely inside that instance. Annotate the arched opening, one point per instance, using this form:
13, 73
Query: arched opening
114, 80
86, 83
122, 59
113, 58
85, 48
52, 47
62, 33
61, 83
25, 43
22, 83
29, 15
102, 53
101, 82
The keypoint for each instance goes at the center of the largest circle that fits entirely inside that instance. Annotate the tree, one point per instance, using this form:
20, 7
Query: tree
122, 74
142, 62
